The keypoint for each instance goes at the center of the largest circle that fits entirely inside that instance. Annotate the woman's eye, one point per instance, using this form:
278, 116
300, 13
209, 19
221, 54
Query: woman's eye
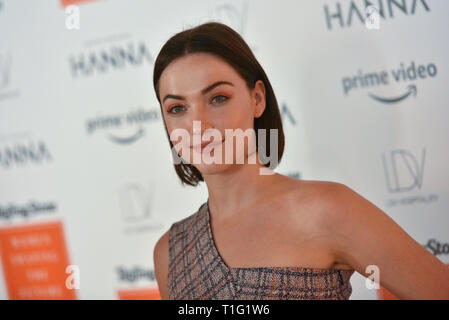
216, 99
220, 100
171, 110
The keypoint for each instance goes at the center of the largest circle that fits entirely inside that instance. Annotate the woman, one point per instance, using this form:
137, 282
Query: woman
262, 235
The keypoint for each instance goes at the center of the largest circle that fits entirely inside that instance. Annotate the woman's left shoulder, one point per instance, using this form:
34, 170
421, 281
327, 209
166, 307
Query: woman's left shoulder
322, 194
328, 195
340, 201
329, 203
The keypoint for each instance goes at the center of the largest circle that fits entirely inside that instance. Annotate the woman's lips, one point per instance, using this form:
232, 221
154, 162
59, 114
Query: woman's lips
202, 147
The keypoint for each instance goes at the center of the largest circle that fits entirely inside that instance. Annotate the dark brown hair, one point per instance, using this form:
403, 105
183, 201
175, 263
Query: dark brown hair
222, 41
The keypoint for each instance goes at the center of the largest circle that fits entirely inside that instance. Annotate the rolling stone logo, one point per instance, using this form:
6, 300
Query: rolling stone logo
437, 248
26, 210
135, 274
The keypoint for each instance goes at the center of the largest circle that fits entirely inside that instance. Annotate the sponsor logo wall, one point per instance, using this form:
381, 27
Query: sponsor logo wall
87, 186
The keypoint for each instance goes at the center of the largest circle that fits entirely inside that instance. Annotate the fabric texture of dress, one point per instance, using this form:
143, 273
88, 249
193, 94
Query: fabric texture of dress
197, 271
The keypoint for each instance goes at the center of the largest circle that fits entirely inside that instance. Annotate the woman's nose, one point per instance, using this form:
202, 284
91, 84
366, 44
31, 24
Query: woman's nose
200, 121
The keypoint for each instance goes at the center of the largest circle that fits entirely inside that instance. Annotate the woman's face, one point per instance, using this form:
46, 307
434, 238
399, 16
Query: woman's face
202, 87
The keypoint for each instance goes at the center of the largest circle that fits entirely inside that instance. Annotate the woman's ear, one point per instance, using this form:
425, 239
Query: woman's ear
259, 98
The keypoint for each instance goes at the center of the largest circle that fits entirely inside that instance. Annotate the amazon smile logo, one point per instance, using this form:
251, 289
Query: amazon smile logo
122, 129
411, 90
400, 75
127, 139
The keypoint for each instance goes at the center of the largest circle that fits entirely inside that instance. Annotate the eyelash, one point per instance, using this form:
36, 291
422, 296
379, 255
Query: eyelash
220, 95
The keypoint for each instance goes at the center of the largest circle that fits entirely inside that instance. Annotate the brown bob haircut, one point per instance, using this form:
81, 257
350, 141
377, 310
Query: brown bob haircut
222, 41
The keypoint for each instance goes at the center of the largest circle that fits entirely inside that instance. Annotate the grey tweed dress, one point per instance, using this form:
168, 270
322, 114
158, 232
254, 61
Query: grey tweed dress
197, 271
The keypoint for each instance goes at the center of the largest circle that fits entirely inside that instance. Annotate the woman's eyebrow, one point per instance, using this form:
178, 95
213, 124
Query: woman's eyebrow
205, 90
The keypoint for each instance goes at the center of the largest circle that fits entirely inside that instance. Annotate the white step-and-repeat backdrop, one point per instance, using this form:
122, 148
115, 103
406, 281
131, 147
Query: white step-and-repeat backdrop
86, 182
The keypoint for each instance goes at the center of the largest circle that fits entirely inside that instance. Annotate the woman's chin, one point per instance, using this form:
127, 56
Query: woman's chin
214, 168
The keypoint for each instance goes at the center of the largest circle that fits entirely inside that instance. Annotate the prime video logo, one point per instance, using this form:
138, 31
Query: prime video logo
212, 141
400, 75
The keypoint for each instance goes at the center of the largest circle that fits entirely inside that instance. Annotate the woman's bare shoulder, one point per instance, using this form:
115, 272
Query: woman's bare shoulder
305, 206
321, 201
304, 215
315, 195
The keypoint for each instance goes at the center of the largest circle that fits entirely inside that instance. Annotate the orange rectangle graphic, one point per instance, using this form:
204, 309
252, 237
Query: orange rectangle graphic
139, 294
34, 259
66, 3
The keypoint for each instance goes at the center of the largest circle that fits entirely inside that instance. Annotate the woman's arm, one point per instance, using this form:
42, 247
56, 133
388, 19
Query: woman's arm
160, 259
364, 235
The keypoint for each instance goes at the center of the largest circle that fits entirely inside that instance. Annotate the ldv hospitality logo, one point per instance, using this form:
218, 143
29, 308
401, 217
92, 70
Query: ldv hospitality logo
404, 177
400, 76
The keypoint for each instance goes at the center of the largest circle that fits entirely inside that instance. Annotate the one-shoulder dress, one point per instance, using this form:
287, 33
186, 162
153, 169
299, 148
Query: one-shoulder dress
197, 271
